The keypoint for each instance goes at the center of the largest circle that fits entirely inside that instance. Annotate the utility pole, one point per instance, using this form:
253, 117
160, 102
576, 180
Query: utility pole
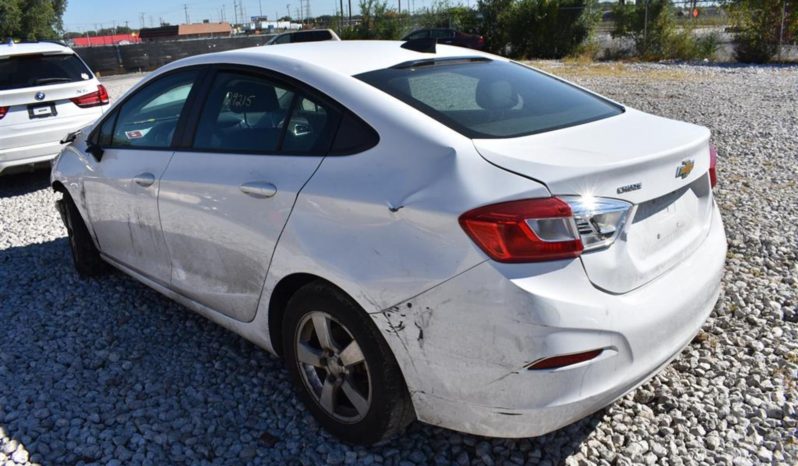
350, 13
185, 8
288, 9
781, 32
341, 24
260, 6
235, 11
141, 19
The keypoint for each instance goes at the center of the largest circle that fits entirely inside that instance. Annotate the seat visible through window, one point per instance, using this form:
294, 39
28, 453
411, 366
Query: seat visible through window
243, 114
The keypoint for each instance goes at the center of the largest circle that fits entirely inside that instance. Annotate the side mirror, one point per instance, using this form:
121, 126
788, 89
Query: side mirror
95, 150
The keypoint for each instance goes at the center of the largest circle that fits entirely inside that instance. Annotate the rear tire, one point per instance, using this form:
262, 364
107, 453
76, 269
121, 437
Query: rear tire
347, 377
85, 255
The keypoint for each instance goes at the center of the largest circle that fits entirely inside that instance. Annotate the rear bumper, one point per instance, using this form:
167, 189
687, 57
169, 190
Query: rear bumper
464, 346
28, 144
29, 155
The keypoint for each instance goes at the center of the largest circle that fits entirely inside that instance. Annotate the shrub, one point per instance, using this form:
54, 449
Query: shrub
537, 28
759, 23
656, 35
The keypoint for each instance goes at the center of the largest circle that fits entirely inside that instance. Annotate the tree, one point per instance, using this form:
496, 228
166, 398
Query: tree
377, 22
650, 23
762, 25
31, 19
550, 28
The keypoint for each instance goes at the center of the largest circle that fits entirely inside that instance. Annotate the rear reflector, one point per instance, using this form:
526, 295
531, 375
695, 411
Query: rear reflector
100, 97
713, 164
555, 362
3, 111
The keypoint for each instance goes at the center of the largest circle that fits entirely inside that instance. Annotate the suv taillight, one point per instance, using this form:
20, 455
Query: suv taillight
535, 230
3, 111
99, 97
713, 165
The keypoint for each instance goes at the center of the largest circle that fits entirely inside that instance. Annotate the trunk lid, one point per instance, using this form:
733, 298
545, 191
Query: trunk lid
634, 157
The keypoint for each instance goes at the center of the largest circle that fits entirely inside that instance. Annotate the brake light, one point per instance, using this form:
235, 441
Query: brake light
99, 97
3, 111
713, 163
481, 41
529, 230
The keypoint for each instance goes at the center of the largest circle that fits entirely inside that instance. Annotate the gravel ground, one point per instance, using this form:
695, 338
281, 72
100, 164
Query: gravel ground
110, 372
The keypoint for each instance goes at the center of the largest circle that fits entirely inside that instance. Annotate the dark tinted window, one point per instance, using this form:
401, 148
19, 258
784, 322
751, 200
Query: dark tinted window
353, 136
310, 129
422, 34
243, 113
149, 118
281, 39
311, 36
490, 99
441, 34
38, 70
105, 133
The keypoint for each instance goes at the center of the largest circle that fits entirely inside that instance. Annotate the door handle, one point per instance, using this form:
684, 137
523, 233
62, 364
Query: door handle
144, 179
259, 189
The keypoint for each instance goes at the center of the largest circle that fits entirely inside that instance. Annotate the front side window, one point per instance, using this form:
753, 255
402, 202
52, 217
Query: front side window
482, 98
148, 119
22, 71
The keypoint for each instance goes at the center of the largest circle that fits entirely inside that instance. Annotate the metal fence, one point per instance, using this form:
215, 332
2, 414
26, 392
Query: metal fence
147, 56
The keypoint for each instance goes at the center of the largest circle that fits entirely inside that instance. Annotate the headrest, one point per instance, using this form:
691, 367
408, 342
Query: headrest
496, 95
249, 96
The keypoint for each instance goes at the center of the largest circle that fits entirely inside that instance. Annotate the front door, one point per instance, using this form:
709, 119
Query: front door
224, 201
122, 193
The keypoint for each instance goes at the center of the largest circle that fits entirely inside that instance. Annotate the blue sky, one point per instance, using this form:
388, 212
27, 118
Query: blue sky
84, 15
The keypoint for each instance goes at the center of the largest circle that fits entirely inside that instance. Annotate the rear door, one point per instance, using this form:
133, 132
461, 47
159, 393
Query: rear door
122, 193
225, 198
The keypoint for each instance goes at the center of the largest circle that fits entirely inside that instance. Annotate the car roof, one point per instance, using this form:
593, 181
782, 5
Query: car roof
32, 48
346, 57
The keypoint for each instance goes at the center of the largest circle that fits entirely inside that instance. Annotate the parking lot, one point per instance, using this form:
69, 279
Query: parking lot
108, 371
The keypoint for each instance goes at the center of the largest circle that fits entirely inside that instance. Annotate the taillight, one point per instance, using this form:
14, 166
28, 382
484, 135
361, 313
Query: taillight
713, 163
99, 97
529, 230
535, 230
3, 111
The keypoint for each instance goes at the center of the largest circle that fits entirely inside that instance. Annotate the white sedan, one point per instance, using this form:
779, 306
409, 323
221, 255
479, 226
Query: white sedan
421, 232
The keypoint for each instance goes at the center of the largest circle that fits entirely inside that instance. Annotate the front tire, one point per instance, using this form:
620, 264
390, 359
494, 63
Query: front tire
342, 368
85, 255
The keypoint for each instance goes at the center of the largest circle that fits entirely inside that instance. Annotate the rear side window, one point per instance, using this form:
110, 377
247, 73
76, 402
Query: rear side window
482, 98
353, 136
310, 129
243, 113
149, 117
22, 71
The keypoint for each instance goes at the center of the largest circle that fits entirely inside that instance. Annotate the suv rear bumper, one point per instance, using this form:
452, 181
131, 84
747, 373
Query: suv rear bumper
29, 155
464, 346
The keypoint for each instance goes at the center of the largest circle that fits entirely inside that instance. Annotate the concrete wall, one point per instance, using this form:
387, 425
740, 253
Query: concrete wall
150, 55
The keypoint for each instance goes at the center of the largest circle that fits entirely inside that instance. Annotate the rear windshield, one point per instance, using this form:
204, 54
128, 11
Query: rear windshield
39, 70
483, 98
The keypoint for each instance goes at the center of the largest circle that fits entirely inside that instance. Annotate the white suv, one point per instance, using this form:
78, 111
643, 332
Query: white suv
46, 92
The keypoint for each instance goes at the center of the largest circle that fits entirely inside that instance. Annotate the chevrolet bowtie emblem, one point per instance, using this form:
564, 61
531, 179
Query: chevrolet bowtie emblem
684, 169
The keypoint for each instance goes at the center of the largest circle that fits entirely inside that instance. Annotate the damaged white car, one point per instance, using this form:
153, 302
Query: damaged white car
421, 232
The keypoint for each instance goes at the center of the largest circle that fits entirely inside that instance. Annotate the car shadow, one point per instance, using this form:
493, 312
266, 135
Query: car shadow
24, 183
102, 369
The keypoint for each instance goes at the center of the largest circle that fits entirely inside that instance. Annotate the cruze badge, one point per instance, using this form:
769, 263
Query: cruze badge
629, 187
39, 95
684, 169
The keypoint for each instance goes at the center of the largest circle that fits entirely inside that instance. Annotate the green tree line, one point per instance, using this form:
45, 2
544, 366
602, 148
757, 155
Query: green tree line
31, 19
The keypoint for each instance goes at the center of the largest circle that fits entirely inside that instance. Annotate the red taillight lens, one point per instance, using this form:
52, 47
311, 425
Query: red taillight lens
713, 164
3, 111
529, 230
556, 362
100, 97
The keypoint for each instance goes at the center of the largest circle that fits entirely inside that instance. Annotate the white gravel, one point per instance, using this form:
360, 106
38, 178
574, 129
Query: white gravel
110, 372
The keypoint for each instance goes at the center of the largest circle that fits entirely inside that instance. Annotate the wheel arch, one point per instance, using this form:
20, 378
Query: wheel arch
278, 302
